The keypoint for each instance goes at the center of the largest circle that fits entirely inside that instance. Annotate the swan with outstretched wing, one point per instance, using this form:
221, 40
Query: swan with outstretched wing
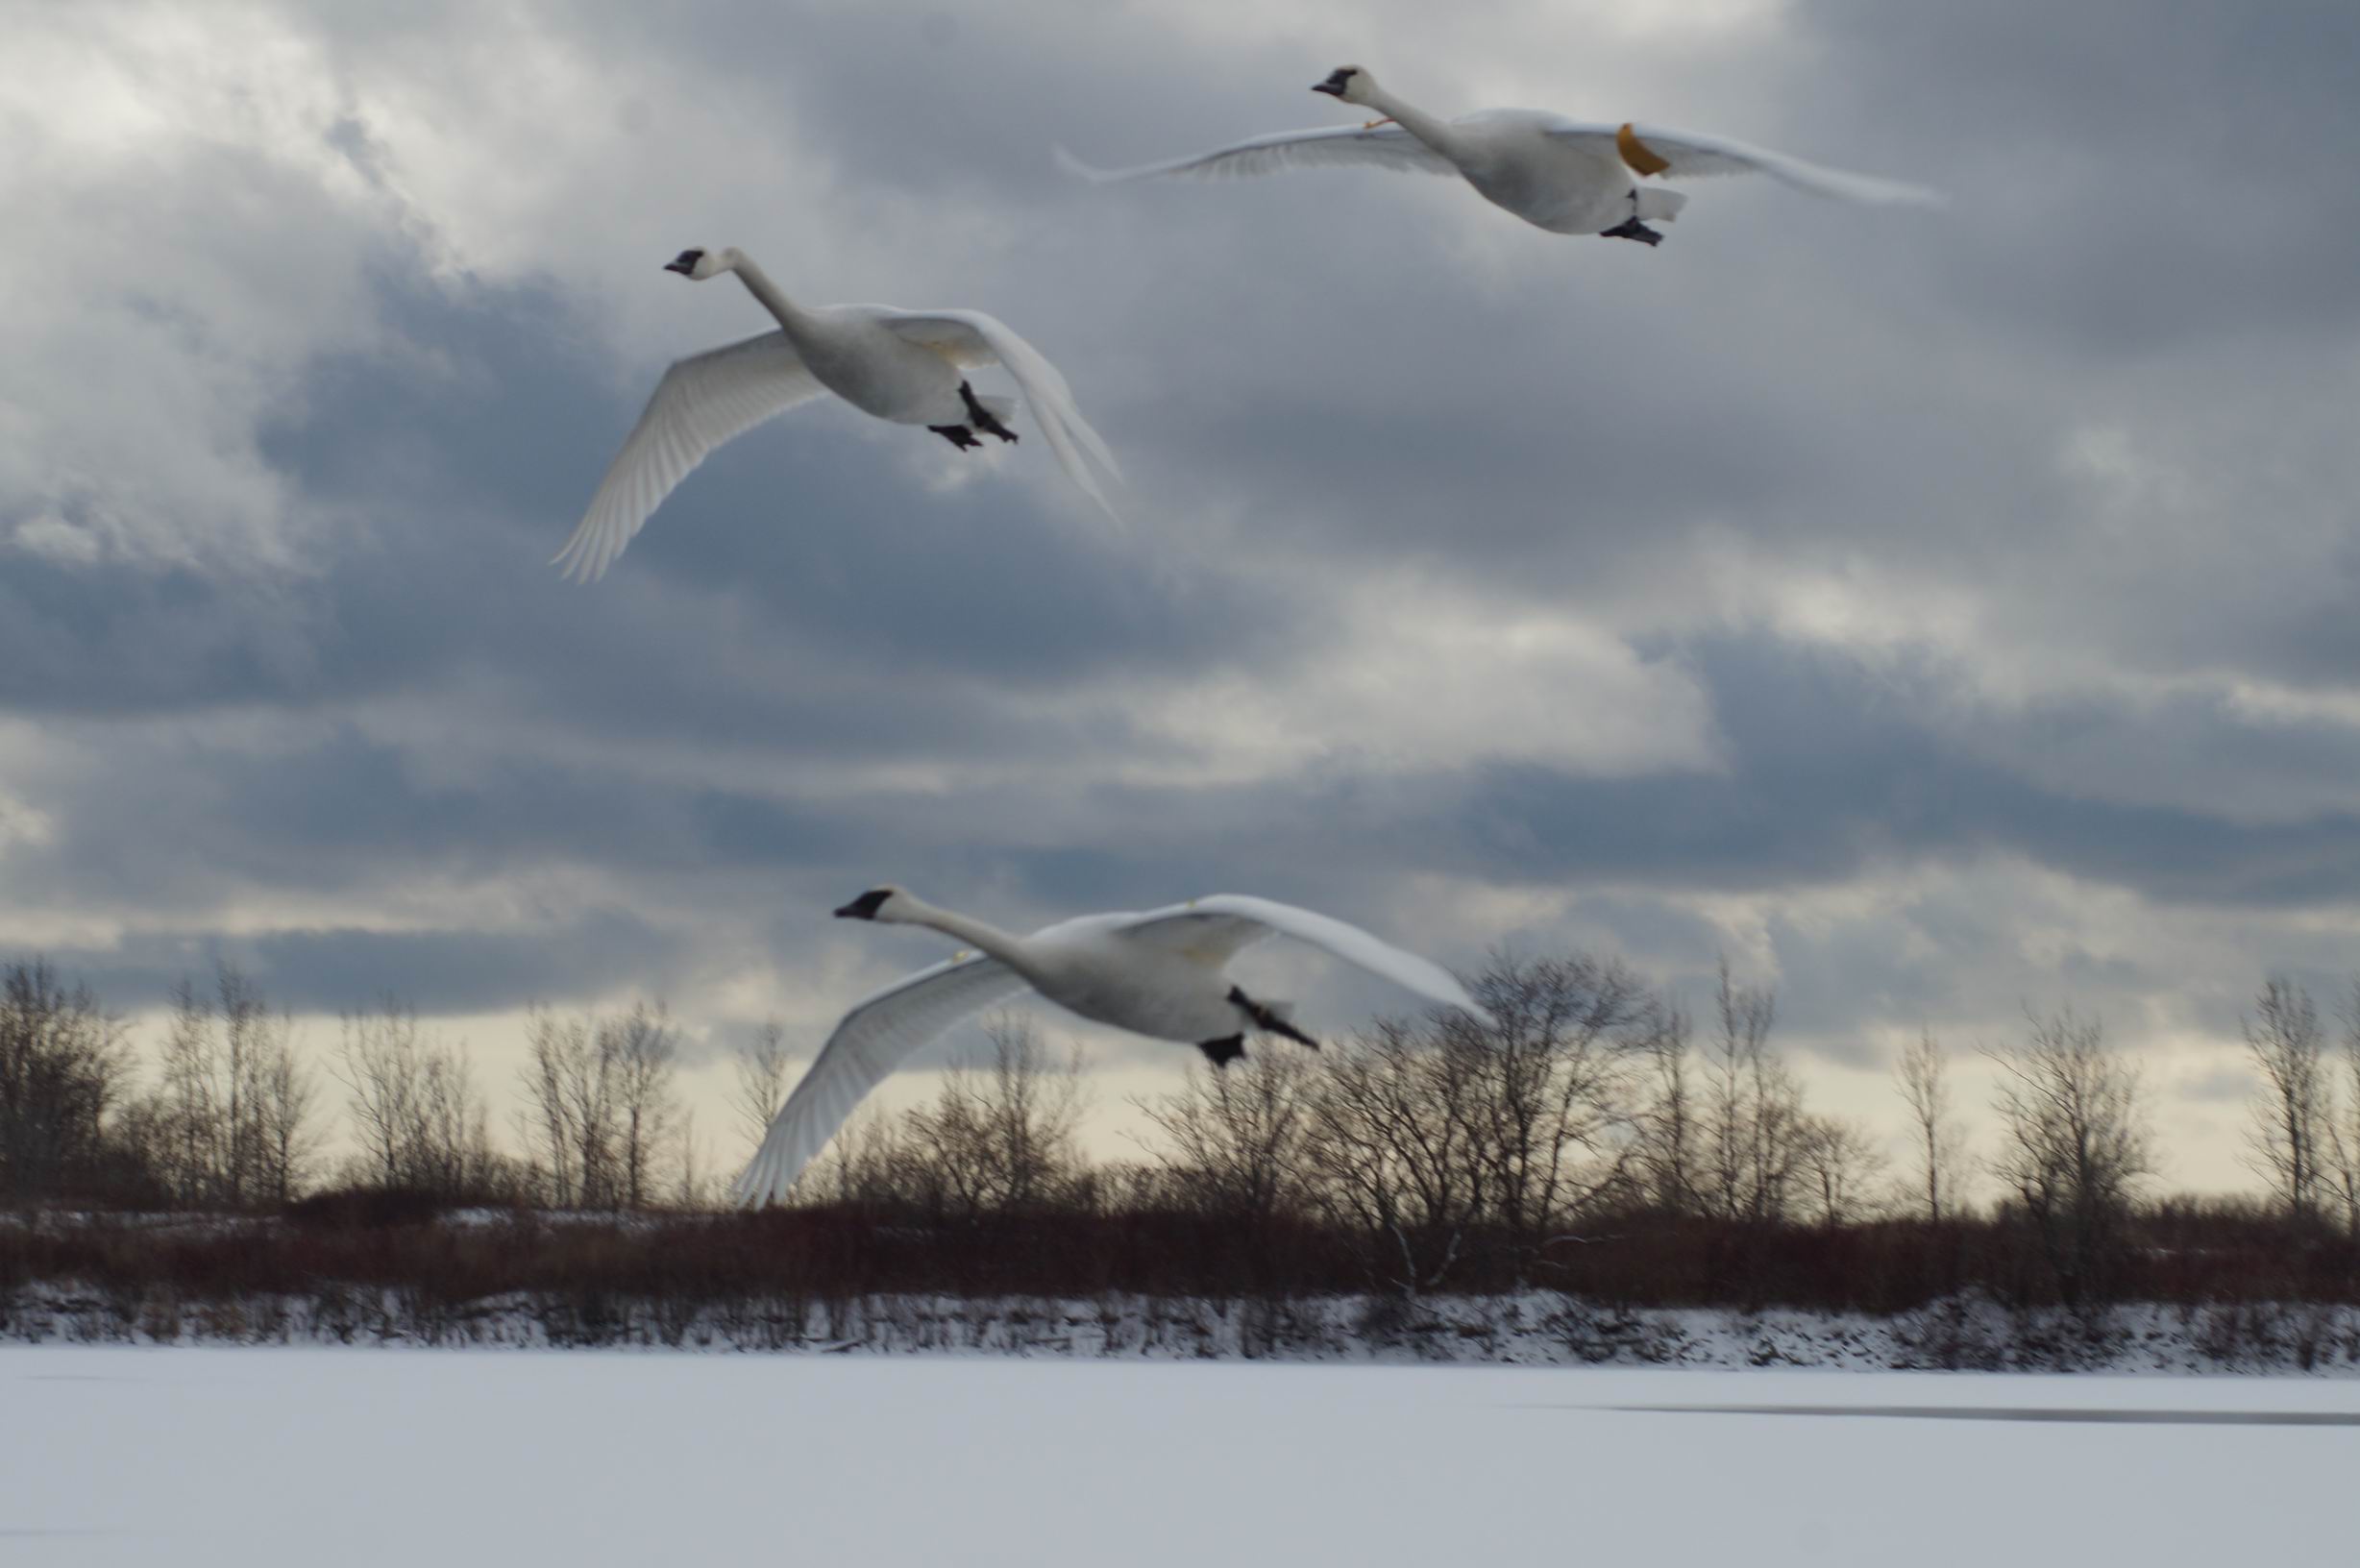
1570, 176
1160, 973
906, 366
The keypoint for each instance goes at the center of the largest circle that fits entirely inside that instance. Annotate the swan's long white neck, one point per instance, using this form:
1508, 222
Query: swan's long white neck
759, 283
1434, 133
980, 935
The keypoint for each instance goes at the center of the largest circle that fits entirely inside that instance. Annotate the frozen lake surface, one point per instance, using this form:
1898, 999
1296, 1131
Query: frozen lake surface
201, 1457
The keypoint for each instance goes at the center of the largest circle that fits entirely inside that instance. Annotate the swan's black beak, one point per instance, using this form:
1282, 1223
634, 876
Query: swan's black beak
866, 906
1334, 85
684, 263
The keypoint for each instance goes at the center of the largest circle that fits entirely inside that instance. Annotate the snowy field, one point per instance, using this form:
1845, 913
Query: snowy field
201, 1457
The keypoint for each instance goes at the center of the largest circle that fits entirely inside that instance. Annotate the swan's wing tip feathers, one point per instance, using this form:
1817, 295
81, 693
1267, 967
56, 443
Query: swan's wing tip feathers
699, 403
1080, 170
576, 565
1390, 147
1873, 190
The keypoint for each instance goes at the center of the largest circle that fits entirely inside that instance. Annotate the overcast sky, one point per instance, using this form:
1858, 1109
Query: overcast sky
1935, 612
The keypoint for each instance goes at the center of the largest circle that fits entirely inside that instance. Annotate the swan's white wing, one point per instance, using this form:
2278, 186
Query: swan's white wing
702, 401
1384, 147
873, 1038
1218, 926
1690, 155
971, 337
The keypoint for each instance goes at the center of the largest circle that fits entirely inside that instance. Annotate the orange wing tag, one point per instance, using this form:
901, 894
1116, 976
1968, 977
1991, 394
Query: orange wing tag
1637, 152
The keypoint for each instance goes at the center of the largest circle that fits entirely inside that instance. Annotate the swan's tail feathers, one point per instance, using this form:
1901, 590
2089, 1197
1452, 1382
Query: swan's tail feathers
1658, 205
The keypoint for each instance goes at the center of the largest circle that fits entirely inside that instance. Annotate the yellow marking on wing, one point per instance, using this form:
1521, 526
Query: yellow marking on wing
1637, 152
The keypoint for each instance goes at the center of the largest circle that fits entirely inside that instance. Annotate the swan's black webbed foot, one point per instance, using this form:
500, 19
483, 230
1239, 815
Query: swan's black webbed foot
982, 418
1266, 1020
1223, 1051
1633, 228
958, 435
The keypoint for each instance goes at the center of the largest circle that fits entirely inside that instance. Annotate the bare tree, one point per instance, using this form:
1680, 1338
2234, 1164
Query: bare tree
2294, 1118
1923, 1077
1753, 1110
1839, 1168
1550, 1084
1393, 1153
288, 1142
452, 1149
644, 1053
865, 1162
1001, 1137
211, 1111
2073, 1143
189, 1112
698, 1185
415, 1110
378, 1061
758, 1082
569, 1083
1668, 1134
1235, 1140
63, 1071
248, 1038
601, 1112
2342, 1147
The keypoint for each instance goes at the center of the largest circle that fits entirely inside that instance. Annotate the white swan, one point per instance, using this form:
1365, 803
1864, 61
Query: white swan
902, 365
1566, 176
1157, 973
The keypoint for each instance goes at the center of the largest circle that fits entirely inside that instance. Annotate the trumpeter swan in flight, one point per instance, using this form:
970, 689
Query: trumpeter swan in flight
1158, 973
1566, 176
903, 365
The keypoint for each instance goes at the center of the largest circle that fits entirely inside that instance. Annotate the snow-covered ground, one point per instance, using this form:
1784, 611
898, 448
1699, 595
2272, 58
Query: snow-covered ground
200, 1456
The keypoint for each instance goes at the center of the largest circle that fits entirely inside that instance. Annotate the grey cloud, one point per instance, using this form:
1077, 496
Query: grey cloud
1835, 766
345, 971
2222, 1086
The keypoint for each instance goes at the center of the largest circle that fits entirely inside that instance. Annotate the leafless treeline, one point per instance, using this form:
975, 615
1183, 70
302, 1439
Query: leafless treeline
228, 1121
1590, 1112
231, 1117
1451, 1150
600, 1114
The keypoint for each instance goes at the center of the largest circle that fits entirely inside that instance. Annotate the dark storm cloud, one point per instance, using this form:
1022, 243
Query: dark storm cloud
350, 972
1833, 767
